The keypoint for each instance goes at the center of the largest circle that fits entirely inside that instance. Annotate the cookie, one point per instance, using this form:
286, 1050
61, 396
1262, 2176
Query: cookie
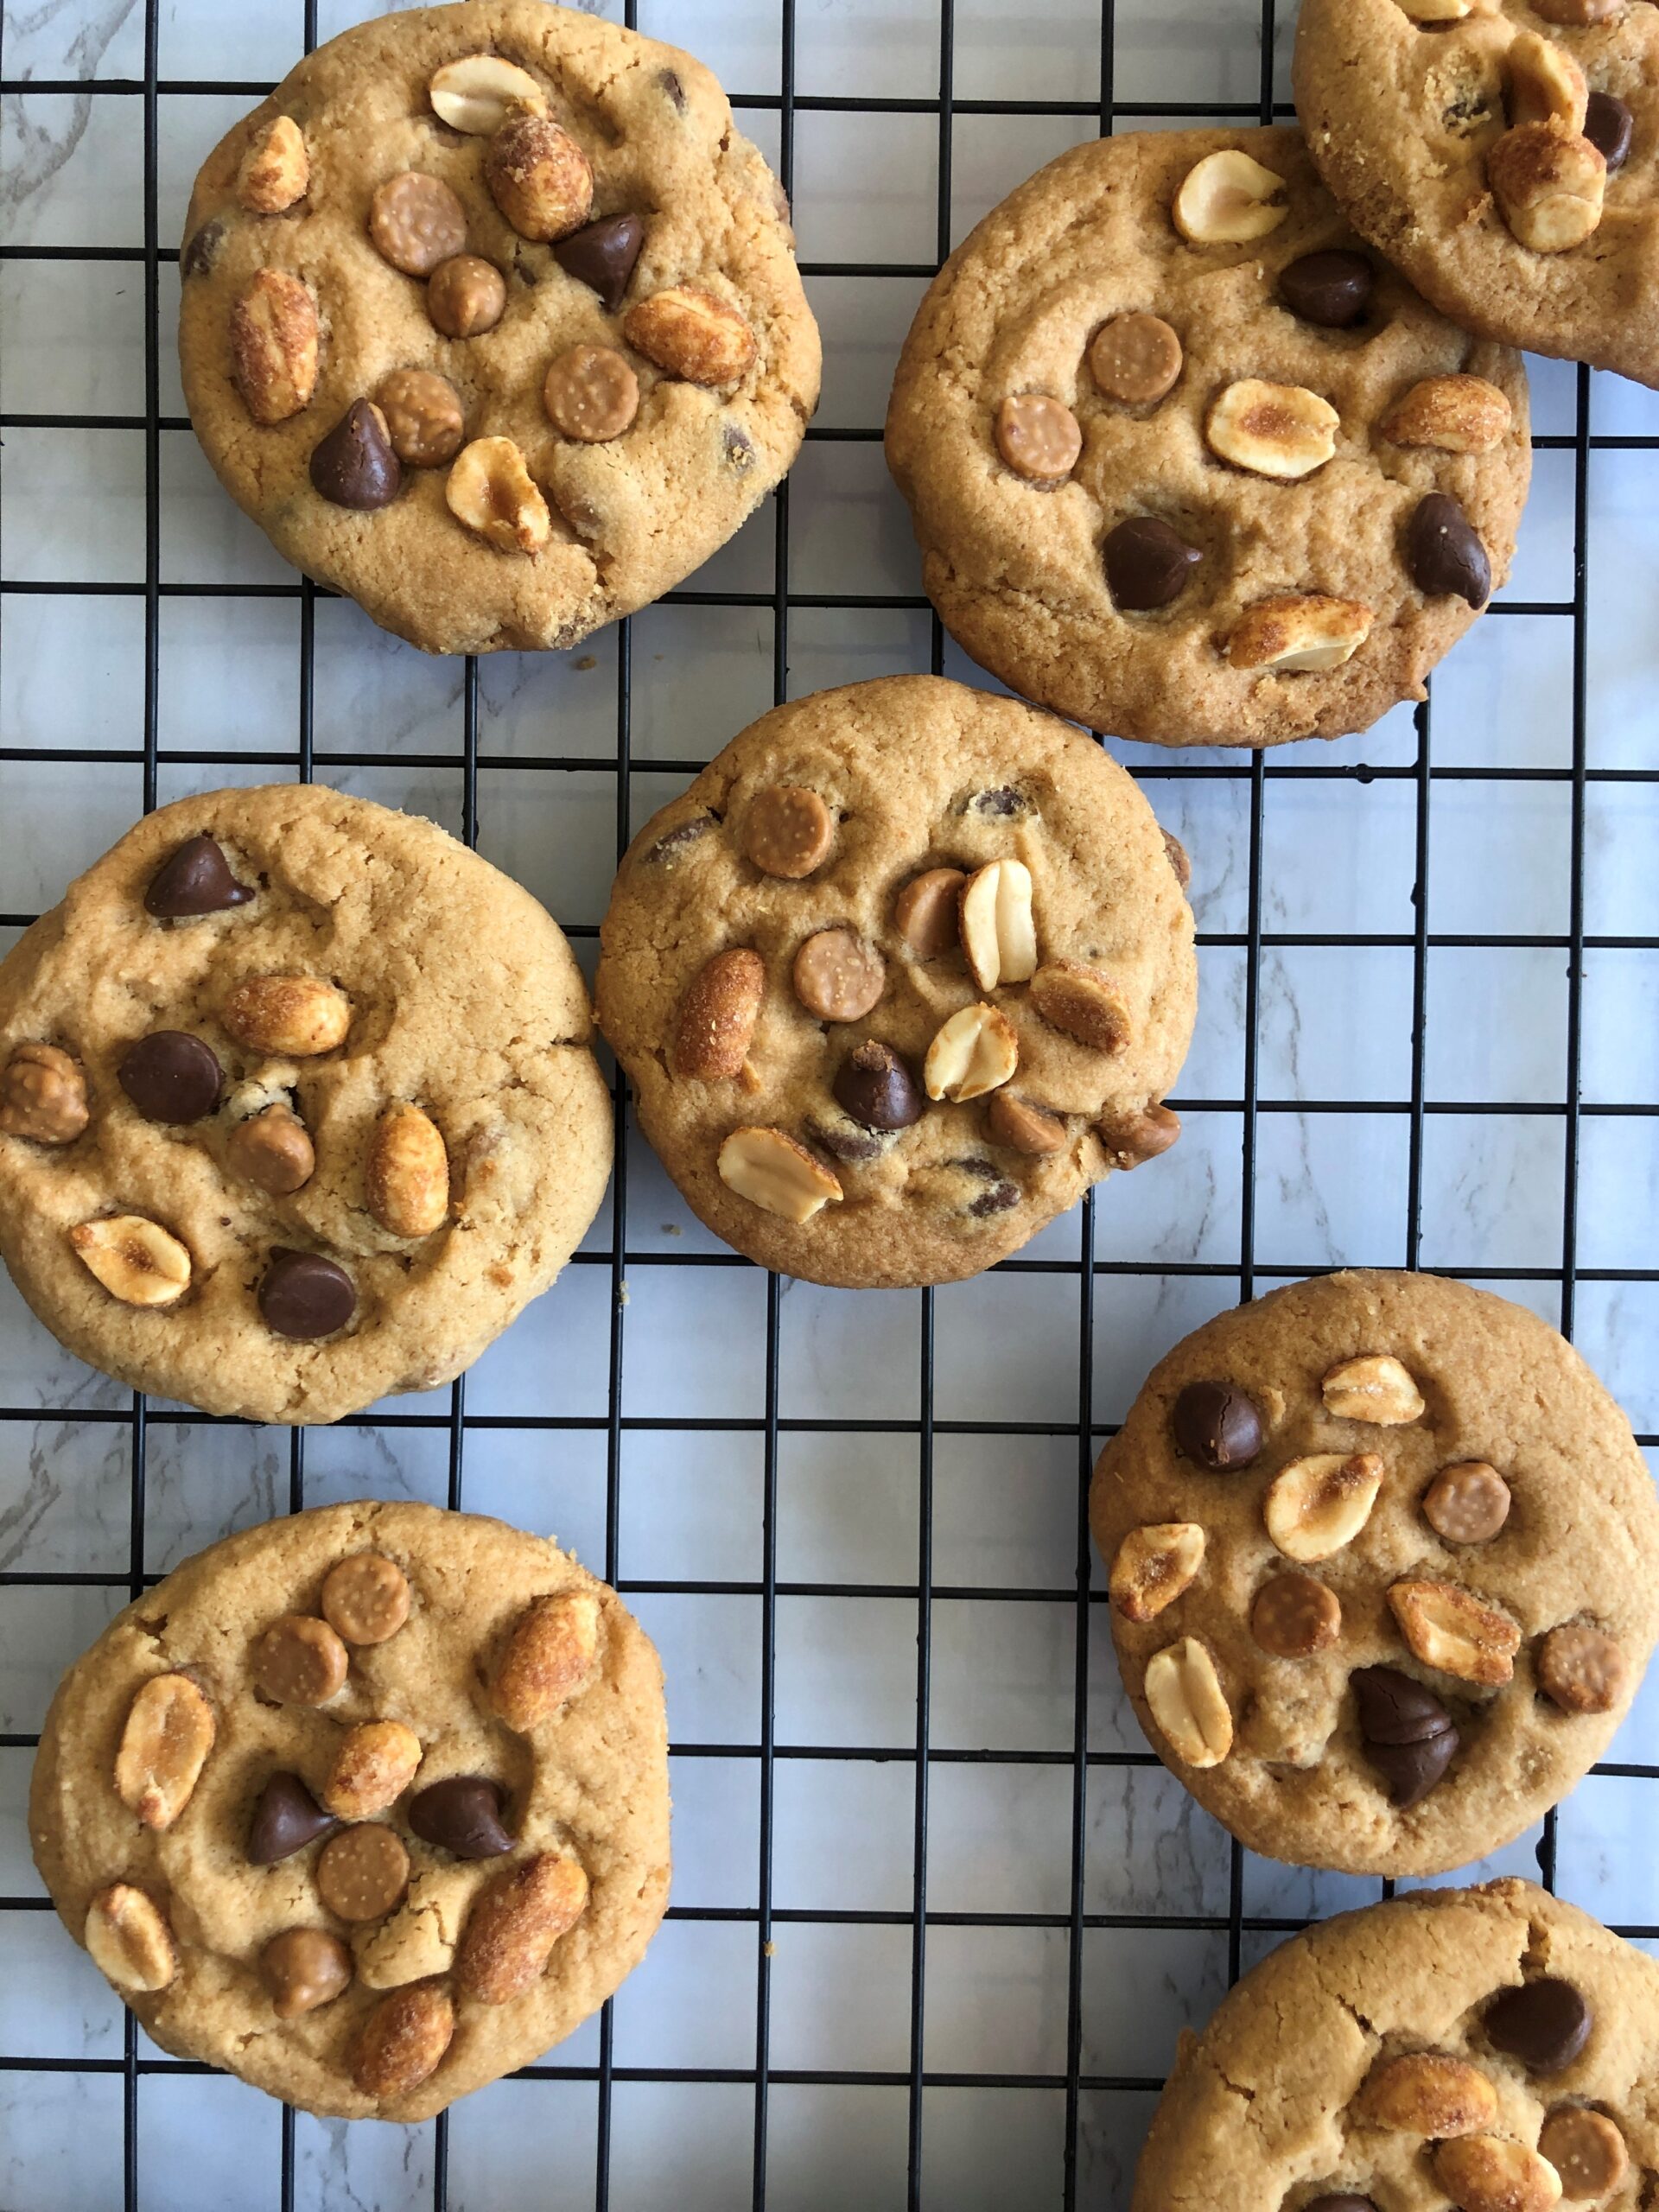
1384, 1570
904, 971
1187, 465
368, 1806
296, 1105
1492, 2046
1504, 154
491, 319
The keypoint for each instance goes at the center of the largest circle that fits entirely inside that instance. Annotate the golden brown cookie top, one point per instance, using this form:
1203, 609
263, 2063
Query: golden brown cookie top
906, 971
349, 1861
1492, 2048
1188, 463
383, 265
1382, 1560
296, 1105
1505, 154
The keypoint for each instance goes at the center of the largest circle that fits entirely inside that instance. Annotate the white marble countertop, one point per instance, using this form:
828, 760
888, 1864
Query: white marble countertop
1338, 859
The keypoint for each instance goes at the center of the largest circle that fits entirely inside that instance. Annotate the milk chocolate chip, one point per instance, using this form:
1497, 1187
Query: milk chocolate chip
1216, 1425
194, 879
1408, 1735
1545, 2023
285, 1819
1332, 289
171, 1076
1293, 1616
1444, 552
461, 1816
304, 1296
354, 466
876, 1089
466, 296
304, 1968
601, 255
1147, 565
1609, 125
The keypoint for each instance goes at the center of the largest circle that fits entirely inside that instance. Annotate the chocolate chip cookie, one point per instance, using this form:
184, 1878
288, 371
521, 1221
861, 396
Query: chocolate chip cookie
1384, 1568
1505, 154
296, 1105
1187, 463
491, 319
1491, 2047
368, 1806
903, 972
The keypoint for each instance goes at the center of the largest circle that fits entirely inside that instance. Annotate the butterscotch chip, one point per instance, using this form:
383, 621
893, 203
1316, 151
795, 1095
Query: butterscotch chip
1136, 360
788, 831
1294, 1617
466, 296
1025, 1128
362, 1871
424, 418
837, 977
1085, 1004
299, 1659
591, 394
302, 1969
1038, 435
1586, 2149
1580, 1669
927, 911
1133, 1138
417, 221
1467, 1504
365, 1599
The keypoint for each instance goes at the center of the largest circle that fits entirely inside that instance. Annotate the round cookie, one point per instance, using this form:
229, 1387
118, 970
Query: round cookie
368, 1806
491, 319
1505, 154
296, 1105
1384, 1570
904, 971
1493, 2046
1186, 465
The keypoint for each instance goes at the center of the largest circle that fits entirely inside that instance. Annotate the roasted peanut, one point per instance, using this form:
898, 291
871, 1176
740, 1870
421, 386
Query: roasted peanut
550, 1656
164, 1745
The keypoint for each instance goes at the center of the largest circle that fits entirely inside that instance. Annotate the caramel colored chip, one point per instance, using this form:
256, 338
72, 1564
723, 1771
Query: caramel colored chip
516, 1920
1580, 1669
129, 1939
1587, 2150
299, 1659
788, 831
1491, 2173
1450, 1628
925, 912
1083, 1003
1427, 2093
416, 222
1294, 1617
550, 1656
718, 1015
1132, 1139
1023, 1127
591, 394
164, 1745
424, 419
837, 977
1134, 359
362, 1871
272, 1151
693, 334
374, 1764
366, 1598
302, 1969
1154, 1565
403, 2041
1467, 1504
1037, 437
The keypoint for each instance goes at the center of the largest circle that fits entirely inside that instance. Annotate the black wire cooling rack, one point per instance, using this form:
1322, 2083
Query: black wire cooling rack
313, 755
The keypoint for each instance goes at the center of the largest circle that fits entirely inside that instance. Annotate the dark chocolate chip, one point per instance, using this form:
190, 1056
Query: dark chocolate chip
1332, 289
303, 1295
846, 1140
1396, 1708
673, 842
601, 255
1544, 2023
461, 1816
354, 466
1444, 552
999, 1193
1409, 1771
1608, 125
1001, 805
1216, 1425
875, 1088
675, 90
202, 252
286, 1818
1146, 564
194, 879
739, 452
1179, 860
170, 1076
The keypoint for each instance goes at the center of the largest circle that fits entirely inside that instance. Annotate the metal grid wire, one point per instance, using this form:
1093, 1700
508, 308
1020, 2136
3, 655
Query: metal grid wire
309, 758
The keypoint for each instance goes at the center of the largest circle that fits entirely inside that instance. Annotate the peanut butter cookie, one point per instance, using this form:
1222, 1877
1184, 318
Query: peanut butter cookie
1382, 1560
491, 319
1186, 463
368, 1806
296, 1105
904, 971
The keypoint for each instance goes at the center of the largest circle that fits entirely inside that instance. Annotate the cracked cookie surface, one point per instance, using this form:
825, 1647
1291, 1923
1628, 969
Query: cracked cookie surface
416, 244
1492, 2045
1382, 1556
1416, 127
313, 1133
904, 971
278, 1945
1153, 452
